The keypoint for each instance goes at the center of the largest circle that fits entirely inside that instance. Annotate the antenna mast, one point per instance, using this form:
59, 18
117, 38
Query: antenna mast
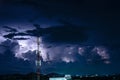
38, 60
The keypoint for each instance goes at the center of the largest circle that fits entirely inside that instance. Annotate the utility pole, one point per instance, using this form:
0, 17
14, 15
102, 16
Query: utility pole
38, 60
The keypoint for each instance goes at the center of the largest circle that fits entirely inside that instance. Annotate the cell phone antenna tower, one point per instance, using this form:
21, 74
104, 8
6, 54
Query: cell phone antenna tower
38, 60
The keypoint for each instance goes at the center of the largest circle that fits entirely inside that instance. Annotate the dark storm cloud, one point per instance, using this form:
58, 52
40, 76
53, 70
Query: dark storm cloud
10, 29
30, 56
9, 45
12, 35
21, 38
112, 36
63, 33
67, 33
9, 63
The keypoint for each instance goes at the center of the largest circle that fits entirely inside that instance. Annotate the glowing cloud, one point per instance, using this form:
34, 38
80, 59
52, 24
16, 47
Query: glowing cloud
81, 50
67, 59
101, 51
29, 45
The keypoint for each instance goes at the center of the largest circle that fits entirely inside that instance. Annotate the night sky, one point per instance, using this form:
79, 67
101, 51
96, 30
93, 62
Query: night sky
76, 36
